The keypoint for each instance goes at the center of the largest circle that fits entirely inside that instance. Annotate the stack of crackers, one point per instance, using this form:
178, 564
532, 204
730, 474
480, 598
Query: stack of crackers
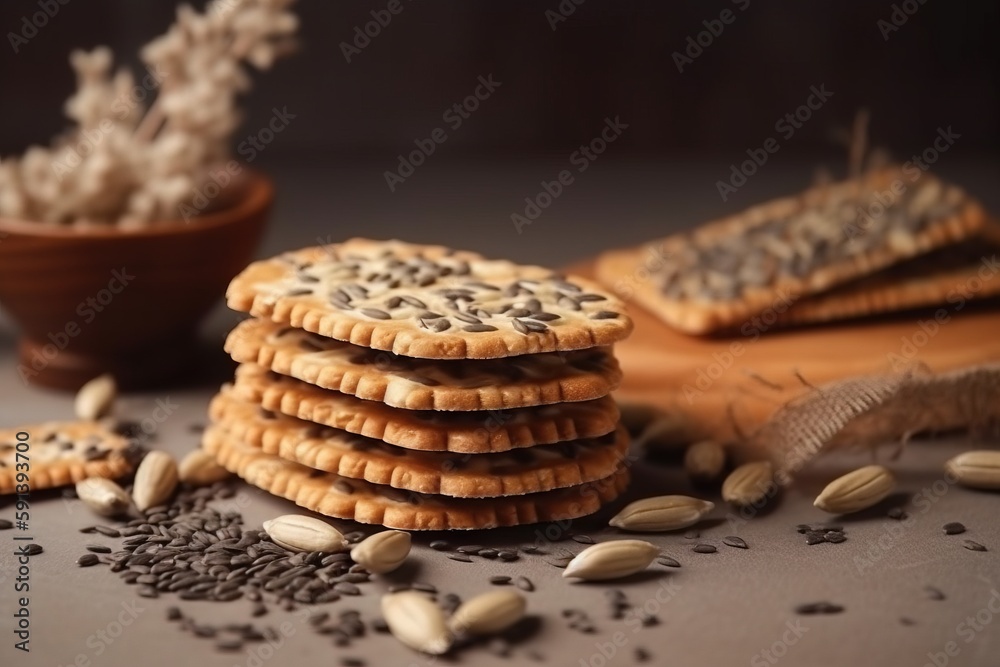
419, 387
891, 240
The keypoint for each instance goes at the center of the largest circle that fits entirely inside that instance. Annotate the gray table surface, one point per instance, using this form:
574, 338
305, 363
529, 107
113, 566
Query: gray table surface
732, 607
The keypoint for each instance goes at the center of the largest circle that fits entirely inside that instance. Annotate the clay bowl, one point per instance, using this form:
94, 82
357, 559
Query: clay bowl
126, 302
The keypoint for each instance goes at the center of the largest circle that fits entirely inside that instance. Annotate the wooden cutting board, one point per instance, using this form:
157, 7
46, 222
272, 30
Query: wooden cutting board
721, 381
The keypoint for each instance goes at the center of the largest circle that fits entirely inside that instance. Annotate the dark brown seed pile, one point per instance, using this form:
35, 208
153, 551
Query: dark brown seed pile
199, 553
821, 534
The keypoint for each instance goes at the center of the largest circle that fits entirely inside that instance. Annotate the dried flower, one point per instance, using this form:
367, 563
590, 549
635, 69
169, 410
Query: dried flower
129, 163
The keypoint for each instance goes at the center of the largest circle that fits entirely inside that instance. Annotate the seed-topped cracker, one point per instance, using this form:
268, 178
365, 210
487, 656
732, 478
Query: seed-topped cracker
463, 432
429, 301
347, 498
55, 454
823, 245
516, 472
424, 384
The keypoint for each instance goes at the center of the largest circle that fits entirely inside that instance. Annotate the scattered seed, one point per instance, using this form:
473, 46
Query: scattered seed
857, 490
524, 584
438, 545
375, 313
661, 513
611, 560
897, 513
667, 561
500, 580
934, 593
973, 546
87, 560
704, 549
424, 587
35, 549
976, 469
734, 541
583, 539
5, 524
814, 608
95, 399
416, 622
229, 644
954, 528
749, 484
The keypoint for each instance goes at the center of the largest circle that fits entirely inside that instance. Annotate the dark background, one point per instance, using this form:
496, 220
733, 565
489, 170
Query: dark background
607, 58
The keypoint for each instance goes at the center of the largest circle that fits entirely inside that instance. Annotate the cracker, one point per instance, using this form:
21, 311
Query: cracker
61, 453
429, 301
892, 291
521, 471
422, 384
722, 274
461, 432
362, 501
